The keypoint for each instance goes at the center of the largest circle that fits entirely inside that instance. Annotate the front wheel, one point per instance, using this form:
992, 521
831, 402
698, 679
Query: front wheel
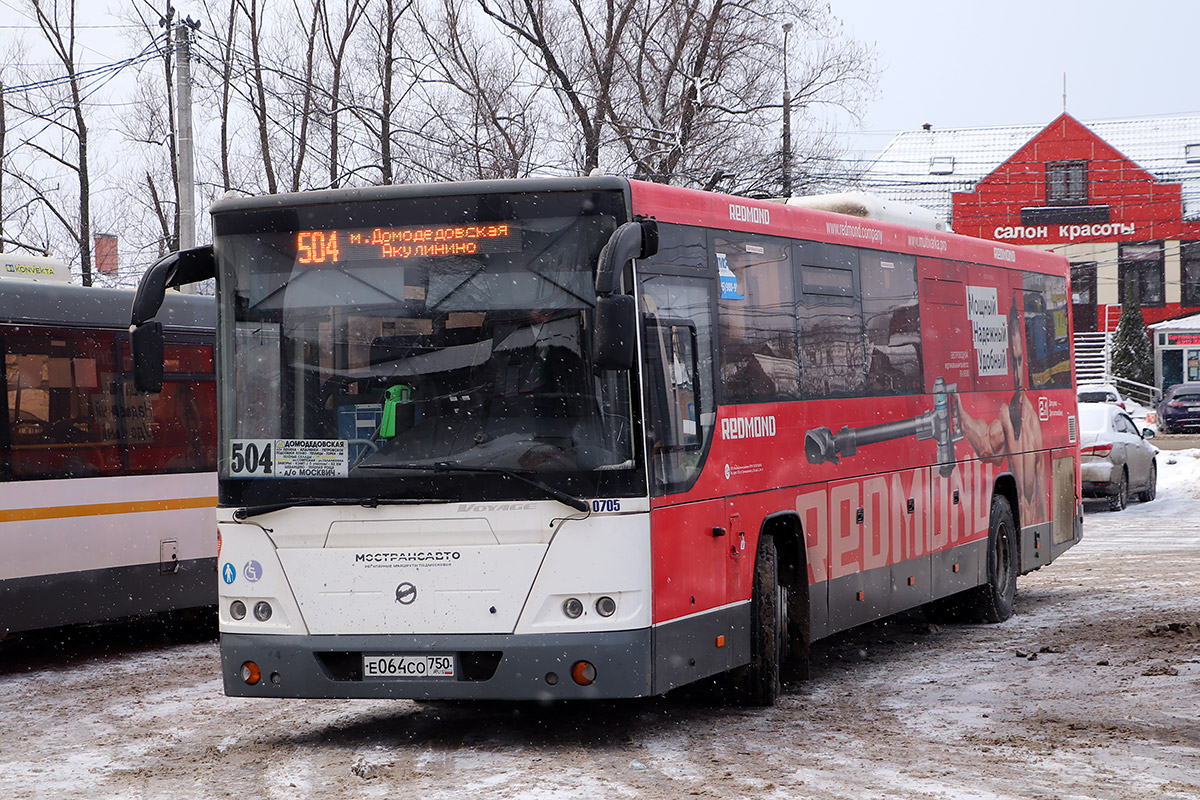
759, 683
994, 601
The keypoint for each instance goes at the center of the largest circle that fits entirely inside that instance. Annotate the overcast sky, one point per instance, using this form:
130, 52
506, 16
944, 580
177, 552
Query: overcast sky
978, 63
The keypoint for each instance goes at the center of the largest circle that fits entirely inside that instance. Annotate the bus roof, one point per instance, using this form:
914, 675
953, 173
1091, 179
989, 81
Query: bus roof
694, 207
91, 307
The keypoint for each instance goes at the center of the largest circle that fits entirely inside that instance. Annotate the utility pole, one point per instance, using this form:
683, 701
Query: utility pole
184, 139
787, 118
2, 154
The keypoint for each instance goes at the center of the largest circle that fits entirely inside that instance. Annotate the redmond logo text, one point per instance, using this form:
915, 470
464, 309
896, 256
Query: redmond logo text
747, 427
742, 213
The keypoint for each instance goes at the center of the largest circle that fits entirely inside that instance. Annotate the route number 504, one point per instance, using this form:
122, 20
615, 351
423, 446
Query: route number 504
251, 457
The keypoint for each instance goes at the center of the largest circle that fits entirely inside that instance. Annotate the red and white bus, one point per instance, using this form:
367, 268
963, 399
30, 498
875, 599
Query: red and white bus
590, 438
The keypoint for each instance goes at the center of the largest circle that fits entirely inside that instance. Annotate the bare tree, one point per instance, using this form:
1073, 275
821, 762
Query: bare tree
336, 42
255, 12
686, 91
482, 106
384, 26
576, 44
60, 106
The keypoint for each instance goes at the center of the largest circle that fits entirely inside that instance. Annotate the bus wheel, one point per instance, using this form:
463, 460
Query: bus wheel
760, 683
993, 602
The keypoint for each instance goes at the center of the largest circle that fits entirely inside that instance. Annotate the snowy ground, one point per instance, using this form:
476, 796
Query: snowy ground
1092, 690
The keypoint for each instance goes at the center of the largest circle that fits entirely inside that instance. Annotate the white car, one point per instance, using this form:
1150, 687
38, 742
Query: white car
1100, 393
1116, 458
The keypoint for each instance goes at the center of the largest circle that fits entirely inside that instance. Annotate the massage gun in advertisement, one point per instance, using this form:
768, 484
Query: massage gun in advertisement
942, 424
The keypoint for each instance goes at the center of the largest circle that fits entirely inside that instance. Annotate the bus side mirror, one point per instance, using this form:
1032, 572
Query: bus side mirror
145, 335
146, 342
616, 328
631, 240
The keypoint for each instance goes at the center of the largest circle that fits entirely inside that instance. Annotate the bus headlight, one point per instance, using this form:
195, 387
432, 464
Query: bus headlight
237, 610
573, 607
606, 606
262, 611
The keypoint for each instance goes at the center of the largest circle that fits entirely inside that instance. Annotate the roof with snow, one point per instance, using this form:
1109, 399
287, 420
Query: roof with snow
1189, 323
925, 166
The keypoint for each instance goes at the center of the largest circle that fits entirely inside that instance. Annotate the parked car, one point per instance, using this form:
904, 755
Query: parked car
1180, 408
1100, 393
1116, 457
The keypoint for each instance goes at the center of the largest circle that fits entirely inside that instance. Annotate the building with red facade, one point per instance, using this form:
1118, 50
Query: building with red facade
1120, 199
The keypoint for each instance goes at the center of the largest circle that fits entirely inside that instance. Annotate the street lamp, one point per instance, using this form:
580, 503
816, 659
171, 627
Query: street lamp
787, 118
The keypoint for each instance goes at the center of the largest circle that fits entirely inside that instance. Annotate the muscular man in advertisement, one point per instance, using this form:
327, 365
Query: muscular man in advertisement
1016, 432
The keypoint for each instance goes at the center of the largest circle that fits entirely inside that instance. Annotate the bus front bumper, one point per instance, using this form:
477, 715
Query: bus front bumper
486, 666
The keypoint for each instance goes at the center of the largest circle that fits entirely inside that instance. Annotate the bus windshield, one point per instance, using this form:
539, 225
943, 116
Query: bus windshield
413, 341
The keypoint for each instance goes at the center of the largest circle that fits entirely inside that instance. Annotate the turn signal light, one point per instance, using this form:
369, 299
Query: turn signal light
583, 673
251, 674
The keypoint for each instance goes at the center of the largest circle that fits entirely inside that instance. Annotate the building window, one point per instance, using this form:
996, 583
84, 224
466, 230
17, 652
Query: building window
1189, 272
941, 165
1066, 183
1141, 268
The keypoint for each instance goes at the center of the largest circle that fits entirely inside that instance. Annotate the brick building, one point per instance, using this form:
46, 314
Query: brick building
1120, 199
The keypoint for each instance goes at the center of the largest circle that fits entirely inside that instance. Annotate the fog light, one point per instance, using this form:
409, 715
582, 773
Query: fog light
583, 673
262, 611
251, 674
552, 678
237, 609
606, 606
573, 607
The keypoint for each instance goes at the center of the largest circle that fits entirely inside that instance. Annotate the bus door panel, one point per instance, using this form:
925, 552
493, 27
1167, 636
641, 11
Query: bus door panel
1065, 497
899, 519
690, 544
859, 578
742, 547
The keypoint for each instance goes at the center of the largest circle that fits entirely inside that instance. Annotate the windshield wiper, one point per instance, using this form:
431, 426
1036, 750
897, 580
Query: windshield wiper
446, 466
246, 512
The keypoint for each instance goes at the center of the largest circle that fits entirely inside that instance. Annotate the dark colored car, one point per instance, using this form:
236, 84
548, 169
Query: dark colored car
1179, 410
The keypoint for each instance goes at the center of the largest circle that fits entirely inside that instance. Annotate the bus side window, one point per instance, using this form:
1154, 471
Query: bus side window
891, 323
61, 408
1046, 331
759, 362
677, 331
829, 313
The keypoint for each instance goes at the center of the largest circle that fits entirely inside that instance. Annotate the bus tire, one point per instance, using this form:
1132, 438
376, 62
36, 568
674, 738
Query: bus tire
759, 683
994, 600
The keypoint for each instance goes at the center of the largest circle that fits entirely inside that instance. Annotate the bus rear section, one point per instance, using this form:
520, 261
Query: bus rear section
592, 438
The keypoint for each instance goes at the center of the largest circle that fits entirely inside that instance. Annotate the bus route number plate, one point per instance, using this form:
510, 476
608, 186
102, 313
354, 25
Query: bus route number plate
397, 666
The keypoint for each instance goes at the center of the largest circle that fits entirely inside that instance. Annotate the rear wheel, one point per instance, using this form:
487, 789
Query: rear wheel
1151, 490
1120, 499
759, 683
993, 602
